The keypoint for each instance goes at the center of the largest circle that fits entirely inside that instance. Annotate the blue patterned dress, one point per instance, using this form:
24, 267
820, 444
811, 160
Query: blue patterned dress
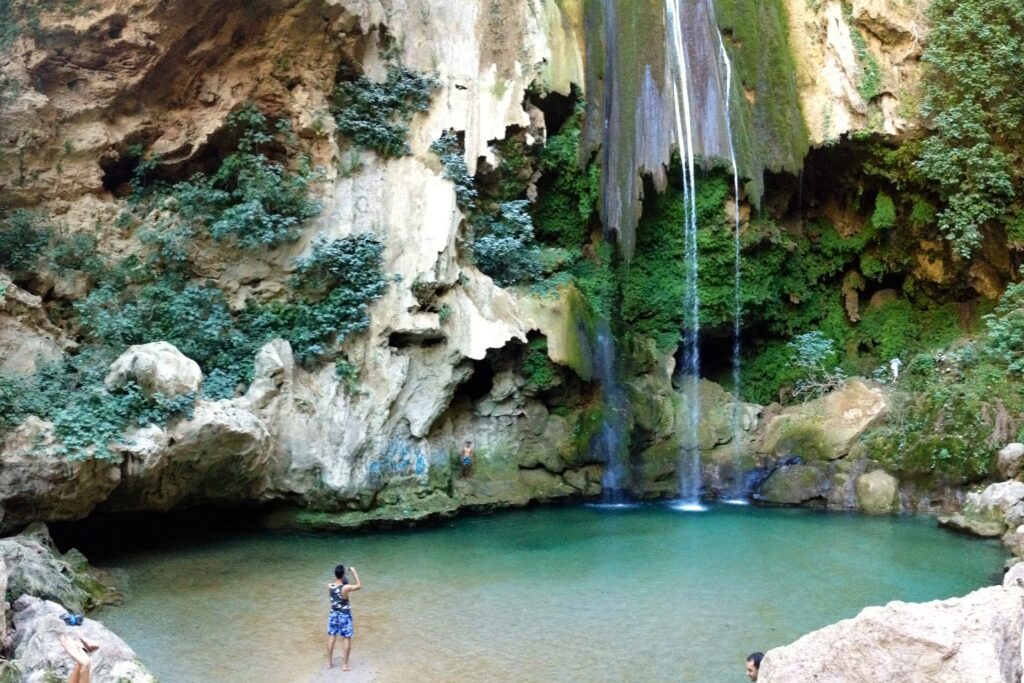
339, 623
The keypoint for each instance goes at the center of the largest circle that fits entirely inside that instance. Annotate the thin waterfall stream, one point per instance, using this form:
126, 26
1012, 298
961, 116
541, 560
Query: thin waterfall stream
710, 60
737, 492
690, 477
610, 444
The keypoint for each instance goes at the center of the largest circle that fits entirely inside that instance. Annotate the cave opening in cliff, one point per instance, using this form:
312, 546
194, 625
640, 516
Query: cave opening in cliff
120, 166
556, 107
478, 384
102, 535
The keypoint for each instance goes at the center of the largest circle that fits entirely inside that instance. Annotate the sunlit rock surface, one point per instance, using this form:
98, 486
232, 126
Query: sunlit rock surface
973, 639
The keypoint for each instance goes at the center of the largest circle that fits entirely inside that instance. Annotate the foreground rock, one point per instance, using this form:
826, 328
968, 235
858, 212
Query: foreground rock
973, 639
38, 655
35, 567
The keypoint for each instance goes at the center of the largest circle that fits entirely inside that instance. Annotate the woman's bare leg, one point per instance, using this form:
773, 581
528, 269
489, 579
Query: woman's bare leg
330, 651
346, 646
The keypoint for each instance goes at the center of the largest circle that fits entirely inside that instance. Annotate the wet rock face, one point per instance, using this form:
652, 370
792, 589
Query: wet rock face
973, 639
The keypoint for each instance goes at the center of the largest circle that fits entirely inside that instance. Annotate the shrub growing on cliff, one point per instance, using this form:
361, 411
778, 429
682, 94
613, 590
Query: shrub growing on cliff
251, 199
377, 115
952, 410
568, 193
333, 284
503, 246
86, 417
23, 239
974, 54
1005, 328
449, 149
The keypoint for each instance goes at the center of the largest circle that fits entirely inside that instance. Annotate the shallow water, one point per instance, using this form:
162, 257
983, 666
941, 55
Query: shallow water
565, 594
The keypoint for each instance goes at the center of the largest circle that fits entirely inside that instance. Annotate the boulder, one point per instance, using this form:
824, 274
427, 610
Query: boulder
35, 567
158, 368
827, 427
793, 485
39, 656
973, 639
38, 482
221, 454
876, 492
1011, 460
990, 512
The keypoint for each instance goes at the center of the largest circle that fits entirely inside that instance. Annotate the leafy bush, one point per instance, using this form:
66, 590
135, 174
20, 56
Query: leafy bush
568, 192
449, 149
974, 55
950, 414
503, 246
250, 199
24, 237
816, 357
334, 283
1005, 328
86, 417
377, 115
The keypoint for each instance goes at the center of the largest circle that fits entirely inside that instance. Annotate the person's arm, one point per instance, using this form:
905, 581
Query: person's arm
356, 585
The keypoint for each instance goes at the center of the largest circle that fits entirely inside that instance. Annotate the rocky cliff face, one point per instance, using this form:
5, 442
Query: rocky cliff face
442, 360
88, 84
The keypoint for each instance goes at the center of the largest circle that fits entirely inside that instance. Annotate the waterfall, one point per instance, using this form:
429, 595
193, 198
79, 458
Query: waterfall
610, 442
696, 66
738, 489
690, 477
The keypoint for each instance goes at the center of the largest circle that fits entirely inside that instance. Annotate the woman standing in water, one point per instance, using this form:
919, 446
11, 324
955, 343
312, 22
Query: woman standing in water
339, 623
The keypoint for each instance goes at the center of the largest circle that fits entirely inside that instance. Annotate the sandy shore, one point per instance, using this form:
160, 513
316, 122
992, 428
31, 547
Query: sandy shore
361, 672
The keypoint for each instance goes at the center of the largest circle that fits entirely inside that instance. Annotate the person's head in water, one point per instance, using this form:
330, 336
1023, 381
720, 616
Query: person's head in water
339, 572
754, 665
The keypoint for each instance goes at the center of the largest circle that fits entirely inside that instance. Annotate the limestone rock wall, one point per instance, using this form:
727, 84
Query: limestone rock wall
858, 65
92, 83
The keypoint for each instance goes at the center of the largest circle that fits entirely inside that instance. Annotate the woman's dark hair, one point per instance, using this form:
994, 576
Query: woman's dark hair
756, 658
339, 571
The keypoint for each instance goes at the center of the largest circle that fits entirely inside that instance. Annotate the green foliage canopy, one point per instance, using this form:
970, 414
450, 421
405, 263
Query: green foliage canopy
975, 55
